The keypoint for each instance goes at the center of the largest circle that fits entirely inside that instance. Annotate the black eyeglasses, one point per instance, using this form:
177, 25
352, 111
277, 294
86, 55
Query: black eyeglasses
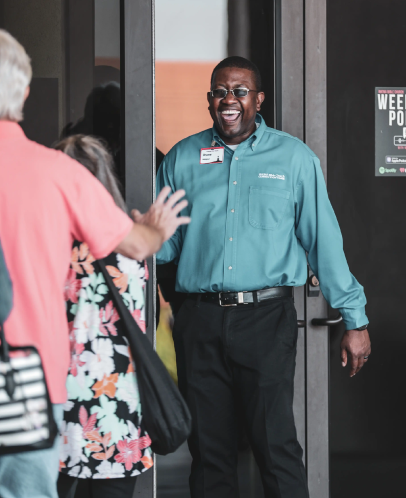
221, 93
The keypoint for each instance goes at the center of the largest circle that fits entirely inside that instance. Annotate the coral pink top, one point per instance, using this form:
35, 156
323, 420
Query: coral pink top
47, 200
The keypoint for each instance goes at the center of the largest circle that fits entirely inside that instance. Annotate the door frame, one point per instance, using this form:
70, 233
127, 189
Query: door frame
301, 110
138, 143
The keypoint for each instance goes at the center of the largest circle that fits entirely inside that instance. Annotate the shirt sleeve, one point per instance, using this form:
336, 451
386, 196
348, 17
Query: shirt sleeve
319, 233
171, 249
95, 217
6, 290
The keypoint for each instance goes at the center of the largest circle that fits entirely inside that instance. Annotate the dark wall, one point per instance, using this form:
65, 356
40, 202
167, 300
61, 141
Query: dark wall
251, 35
261, 14
365, 40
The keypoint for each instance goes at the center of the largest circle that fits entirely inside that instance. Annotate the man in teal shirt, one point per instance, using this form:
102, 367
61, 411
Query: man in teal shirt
258, 203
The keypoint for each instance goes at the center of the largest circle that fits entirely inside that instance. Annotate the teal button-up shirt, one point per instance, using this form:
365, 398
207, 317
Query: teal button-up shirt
254, 218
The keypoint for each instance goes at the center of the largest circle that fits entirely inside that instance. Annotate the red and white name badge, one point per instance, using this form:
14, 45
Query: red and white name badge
212, 155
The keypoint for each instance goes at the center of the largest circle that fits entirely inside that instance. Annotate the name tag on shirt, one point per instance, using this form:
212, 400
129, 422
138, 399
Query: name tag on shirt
212, 155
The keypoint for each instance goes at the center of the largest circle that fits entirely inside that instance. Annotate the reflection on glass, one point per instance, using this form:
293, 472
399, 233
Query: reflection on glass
75, 52
38, 26
93, 78
189, 43
101, 118
182, 79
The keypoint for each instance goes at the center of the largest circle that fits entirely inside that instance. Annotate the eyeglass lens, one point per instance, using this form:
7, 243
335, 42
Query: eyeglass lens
220, 93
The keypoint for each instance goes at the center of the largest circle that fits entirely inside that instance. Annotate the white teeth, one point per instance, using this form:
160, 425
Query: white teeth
230, 112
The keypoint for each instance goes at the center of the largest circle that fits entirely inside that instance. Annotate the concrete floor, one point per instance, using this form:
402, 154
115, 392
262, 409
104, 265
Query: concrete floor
173, 475
366, 477
351, 476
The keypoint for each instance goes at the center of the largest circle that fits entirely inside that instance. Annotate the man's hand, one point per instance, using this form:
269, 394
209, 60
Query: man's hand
163, 216
355, 346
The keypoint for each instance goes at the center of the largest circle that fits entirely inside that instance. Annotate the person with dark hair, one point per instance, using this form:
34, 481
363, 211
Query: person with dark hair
102, 119
104, 445
239, 63
259, 205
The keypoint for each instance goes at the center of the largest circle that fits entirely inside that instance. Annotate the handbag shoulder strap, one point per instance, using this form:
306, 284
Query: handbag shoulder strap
123, 311
4, 351
9, 384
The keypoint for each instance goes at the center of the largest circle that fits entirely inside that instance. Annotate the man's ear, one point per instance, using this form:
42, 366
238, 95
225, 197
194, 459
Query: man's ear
260, 99
208, 97
26, 93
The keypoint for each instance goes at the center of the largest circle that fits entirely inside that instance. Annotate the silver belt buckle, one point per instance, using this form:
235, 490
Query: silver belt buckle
241, 297
224, 305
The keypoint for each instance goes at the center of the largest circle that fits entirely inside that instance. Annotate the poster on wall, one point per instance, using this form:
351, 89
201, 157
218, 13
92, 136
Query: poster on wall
390, 131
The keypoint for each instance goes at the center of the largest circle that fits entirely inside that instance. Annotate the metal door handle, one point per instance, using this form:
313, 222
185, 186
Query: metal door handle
327, 322
301, 324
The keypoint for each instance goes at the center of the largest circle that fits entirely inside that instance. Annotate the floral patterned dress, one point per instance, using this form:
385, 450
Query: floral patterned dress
102, 433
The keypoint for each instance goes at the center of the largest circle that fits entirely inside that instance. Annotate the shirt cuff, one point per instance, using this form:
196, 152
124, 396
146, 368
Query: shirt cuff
167, 253
354, 318
163, 255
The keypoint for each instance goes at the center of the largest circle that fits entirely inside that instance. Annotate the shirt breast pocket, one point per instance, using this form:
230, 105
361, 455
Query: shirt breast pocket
267, 207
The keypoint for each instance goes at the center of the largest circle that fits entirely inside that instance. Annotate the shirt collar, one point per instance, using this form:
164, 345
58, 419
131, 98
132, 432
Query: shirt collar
255, 137
9, 130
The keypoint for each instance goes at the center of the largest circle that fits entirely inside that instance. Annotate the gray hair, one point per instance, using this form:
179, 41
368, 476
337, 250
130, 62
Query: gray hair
15, 77
93, 154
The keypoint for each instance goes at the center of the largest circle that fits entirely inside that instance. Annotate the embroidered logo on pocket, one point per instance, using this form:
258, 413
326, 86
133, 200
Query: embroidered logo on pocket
272, 176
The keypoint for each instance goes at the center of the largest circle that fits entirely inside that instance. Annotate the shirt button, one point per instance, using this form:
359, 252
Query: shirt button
230, 267
235, 183
230, 239
232, 210
236, 158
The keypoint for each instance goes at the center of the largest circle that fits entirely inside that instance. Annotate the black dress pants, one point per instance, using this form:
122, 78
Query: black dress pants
71, 487
239, 362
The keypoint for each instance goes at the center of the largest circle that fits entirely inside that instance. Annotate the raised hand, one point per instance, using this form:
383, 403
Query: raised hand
163, 214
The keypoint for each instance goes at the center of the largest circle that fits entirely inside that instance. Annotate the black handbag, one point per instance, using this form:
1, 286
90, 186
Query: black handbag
26, 417
165, 415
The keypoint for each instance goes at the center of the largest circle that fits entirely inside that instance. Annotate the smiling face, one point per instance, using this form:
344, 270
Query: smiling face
235, 118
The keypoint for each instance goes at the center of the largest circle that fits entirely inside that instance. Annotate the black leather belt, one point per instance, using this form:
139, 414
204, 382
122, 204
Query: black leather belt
236, 298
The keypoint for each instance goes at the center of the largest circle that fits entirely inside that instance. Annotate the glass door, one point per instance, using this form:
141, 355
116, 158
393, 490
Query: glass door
75, 52
93, 74
191, 38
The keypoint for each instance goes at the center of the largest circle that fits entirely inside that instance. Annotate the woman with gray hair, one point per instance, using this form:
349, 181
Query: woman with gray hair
47, 200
